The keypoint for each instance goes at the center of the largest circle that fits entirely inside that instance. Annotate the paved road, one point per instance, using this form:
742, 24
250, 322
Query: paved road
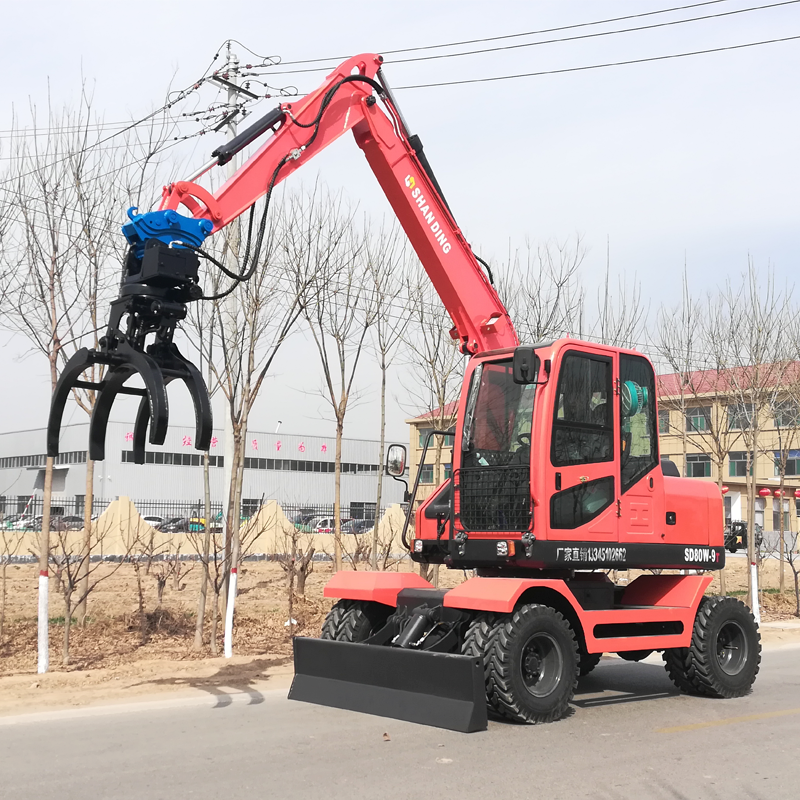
630, 736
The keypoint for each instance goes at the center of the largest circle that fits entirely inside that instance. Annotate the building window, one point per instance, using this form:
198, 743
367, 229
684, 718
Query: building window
698, 465
423, 435
250, 507
786, 414
739, 416
426, 473
663, 421
792, 463
761, 504
698, 419
776, 515
737, 465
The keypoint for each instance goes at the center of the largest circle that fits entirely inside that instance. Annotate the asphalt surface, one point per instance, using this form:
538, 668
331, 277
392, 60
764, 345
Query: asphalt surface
631, 735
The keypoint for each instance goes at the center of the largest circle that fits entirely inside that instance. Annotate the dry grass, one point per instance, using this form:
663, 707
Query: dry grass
112, 636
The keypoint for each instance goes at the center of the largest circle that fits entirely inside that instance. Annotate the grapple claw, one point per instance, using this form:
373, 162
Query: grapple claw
159, 279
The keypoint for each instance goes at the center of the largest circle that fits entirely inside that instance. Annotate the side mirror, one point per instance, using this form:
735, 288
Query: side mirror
396, 460
526, 365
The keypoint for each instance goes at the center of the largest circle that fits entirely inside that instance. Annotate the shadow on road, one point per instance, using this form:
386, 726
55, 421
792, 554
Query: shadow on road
614, 683
235, 678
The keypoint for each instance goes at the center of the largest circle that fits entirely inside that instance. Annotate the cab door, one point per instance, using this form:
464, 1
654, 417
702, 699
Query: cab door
583, 478
640, 477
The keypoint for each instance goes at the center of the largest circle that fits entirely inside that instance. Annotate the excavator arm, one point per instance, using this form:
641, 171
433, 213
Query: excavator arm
160, 275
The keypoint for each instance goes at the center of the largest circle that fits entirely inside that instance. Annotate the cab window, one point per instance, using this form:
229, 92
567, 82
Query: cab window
638, 418
583, 419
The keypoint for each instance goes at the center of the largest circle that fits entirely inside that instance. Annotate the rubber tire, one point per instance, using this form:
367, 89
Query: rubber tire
479, 642
587, 662
634, 655
713, 613
696, 670
678, 663
513, 699
354, 620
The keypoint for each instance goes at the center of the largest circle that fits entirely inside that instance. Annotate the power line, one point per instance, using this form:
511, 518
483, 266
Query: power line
600, 33
566, 38
514, 35
597, 66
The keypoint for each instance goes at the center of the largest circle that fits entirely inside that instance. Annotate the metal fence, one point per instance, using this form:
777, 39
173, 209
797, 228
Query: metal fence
178, 515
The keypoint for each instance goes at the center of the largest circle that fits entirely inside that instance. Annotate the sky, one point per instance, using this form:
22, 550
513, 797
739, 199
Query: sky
682, 161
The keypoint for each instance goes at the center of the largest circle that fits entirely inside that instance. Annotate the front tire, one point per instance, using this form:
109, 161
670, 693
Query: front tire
534, 665
479, 642
354, 620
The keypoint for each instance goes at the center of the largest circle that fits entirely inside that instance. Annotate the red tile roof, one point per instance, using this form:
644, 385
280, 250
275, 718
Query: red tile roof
725, 381
448, 412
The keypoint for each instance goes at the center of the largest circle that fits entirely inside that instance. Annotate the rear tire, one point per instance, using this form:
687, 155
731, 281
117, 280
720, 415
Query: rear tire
354, 620
726, 647
534, 665
724, 656
587, 662
634, 655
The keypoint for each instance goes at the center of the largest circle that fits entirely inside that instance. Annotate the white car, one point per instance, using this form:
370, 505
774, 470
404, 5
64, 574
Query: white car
154, 521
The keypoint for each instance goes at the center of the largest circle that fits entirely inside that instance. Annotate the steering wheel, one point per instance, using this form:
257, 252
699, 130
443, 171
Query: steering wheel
524, 439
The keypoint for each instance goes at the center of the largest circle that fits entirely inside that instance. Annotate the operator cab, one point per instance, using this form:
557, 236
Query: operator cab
556, 464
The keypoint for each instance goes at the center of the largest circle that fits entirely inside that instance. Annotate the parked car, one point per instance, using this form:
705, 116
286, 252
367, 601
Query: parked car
17, 522
323, 524
154, 521
56, 523
357, 526
176, 525
73, 522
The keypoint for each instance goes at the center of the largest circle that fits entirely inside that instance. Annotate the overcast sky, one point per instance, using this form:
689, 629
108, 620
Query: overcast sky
691, 159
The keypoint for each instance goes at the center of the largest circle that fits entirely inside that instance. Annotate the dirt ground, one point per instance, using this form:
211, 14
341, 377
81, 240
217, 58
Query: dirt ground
111, 660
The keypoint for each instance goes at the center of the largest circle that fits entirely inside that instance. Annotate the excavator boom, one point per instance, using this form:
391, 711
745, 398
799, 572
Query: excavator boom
160, 275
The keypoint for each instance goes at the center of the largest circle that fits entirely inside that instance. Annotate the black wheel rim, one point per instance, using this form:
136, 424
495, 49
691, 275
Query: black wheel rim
541, 664
732, 649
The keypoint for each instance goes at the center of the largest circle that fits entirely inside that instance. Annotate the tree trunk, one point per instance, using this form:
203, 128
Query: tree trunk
215, 626
781, 546
722, 587
140, 594
752, 590
67, 627
86, 552
44, 554
337, 499
3, 596
201, 600
373, 561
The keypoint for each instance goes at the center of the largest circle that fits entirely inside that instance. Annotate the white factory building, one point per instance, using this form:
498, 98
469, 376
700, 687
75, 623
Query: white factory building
293, 469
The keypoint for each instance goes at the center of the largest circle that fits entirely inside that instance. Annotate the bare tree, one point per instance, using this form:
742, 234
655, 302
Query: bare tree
240, 351
436, 364
698, 385
339, 315
10, 543
386, 264
747, 328
784, 408
76, 575
539, 287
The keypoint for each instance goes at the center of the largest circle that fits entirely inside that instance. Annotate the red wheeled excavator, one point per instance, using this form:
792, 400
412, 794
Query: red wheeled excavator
556, 474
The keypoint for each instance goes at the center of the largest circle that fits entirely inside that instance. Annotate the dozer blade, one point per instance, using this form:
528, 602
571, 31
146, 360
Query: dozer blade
438, 689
